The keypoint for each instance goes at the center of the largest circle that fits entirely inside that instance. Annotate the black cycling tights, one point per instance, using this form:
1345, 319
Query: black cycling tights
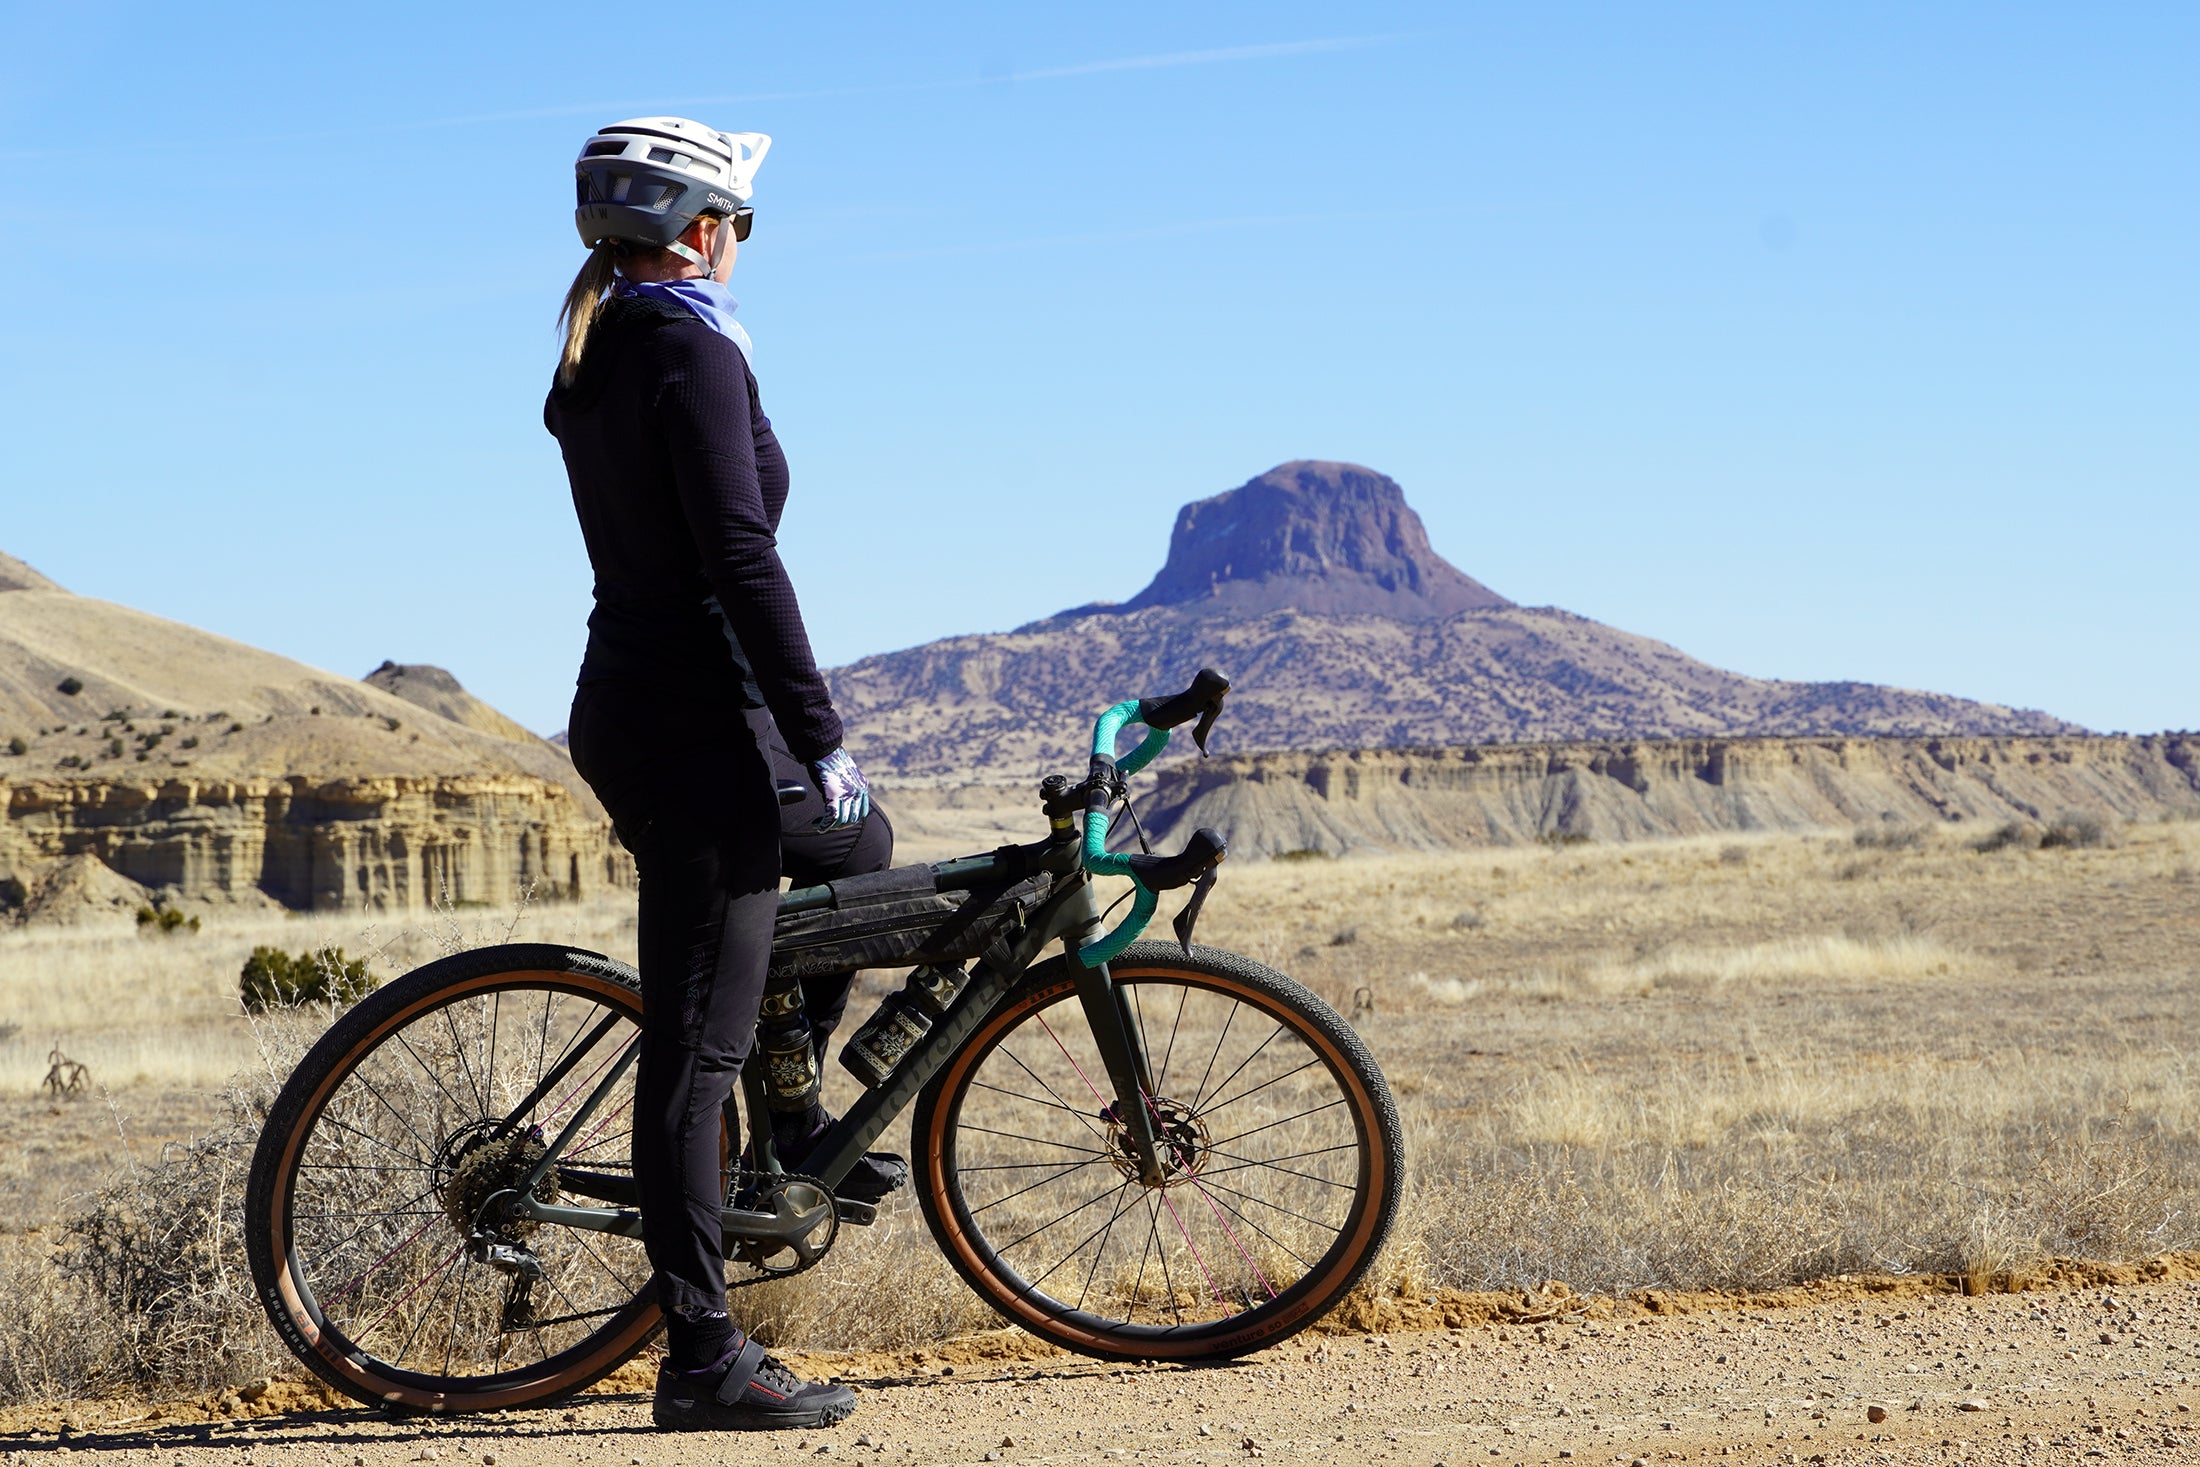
692, 795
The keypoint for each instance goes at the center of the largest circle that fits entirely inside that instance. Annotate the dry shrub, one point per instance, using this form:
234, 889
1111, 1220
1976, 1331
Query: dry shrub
159, 1257
2076, 830
148, 1286
272, 978
1892, 837
2015, 835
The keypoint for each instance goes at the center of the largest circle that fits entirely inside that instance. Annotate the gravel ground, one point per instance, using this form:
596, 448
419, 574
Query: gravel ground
2028, 1377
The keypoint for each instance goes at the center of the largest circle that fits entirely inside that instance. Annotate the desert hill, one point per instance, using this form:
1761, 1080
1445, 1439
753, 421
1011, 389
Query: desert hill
16, 576
1314, 586
204, 769
296, 720
440, 693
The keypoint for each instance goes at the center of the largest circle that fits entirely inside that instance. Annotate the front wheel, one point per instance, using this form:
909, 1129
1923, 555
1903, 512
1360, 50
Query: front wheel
1284, 1161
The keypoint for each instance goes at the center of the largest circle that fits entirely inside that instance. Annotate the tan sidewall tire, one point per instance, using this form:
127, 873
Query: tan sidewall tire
1374, 1118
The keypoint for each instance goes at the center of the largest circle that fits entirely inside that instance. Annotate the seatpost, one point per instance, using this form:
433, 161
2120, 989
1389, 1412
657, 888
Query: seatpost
1115, 1034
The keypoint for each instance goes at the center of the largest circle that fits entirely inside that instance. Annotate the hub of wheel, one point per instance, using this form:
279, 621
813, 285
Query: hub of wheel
477, 1168
1179, 1135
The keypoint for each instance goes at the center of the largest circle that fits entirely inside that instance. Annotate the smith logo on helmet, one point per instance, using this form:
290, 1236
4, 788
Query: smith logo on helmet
719, 201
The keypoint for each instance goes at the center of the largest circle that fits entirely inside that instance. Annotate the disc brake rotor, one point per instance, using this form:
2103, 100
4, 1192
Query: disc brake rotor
1179, 1136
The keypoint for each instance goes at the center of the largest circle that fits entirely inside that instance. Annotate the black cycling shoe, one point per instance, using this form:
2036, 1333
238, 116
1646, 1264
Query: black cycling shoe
746, 1391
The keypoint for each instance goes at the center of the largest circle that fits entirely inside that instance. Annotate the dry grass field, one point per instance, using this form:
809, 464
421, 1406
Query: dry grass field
1723, 1064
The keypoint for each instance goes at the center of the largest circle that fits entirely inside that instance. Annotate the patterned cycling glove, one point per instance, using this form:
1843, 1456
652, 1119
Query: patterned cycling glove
847, 793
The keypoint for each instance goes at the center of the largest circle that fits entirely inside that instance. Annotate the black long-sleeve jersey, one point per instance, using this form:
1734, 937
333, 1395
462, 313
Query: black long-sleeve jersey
679, 483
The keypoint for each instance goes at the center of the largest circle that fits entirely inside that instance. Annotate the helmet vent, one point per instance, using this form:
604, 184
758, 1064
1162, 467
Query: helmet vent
620, 183
671, 195
601, 149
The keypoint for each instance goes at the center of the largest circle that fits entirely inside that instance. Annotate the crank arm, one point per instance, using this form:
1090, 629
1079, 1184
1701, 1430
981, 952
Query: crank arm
783, 1224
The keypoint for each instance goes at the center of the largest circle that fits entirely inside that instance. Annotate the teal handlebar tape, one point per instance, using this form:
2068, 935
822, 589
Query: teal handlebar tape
1109, 948
1101, 861
1110, 724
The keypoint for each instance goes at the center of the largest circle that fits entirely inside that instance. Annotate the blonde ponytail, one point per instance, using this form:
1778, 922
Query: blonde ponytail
583, 303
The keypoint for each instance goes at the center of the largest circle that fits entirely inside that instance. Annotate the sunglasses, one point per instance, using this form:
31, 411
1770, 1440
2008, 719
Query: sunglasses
743, 219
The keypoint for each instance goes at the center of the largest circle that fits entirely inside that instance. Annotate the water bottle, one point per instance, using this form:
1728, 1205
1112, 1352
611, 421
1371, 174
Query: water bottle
877, 1049
789, 1049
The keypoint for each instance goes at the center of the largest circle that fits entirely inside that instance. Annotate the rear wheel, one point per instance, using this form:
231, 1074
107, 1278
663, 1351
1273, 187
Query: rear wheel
385, 1149
1283, 1161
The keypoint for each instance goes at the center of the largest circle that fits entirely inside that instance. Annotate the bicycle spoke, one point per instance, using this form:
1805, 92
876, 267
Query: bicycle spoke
1079, 1246
458, 1052
1183, 996
1067, 1168
1231, 1208
1138, 1284
1287, 1120
1100, 1253
1168, 1279
1227, 1020
1205, 1183
1065, 1217
1034, 1140
1245, 1162
426, 1069
1226, 1079
1030, 1099
1210, 1109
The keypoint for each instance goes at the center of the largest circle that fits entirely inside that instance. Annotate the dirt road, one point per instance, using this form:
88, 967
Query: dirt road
2101, 1372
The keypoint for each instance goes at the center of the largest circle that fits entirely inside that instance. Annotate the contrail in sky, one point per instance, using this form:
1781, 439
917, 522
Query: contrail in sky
1218, 56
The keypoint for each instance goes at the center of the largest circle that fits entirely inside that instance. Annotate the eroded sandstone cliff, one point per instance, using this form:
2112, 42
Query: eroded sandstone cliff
390, 843
193, 769
1436, 799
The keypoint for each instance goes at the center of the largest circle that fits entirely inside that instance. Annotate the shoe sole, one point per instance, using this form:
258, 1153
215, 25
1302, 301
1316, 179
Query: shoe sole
723, 1418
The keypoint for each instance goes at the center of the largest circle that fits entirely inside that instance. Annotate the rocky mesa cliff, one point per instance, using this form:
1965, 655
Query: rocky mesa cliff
1344, 801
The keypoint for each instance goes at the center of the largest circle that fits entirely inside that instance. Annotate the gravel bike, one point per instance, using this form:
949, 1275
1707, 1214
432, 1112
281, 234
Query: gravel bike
1133, 1149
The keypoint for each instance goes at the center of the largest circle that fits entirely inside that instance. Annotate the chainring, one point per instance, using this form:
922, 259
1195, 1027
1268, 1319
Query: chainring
774, 1258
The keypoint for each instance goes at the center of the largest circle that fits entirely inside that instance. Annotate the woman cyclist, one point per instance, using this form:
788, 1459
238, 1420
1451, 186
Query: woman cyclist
679, 484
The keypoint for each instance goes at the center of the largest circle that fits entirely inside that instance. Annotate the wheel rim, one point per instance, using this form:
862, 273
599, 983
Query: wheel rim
398, 1146
1271, 1166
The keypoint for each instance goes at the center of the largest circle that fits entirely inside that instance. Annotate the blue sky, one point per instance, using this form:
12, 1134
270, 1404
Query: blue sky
1822, 341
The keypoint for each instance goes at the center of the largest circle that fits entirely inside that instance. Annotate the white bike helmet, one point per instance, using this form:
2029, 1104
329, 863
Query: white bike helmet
646, 180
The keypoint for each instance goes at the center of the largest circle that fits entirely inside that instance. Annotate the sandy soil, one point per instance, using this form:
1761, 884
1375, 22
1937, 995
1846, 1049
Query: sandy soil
2064, 1375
